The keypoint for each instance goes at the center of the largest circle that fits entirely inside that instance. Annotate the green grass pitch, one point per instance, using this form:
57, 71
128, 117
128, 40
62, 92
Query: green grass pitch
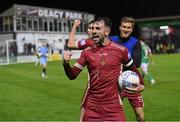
25, 96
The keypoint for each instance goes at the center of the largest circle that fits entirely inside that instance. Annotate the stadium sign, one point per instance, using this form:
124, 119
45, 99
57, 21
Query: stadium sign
59, 14
48, 13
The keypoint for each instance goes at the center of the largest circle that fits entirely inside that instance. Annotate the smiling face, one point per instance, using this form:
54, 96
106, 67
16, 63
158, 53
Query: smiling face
126, 28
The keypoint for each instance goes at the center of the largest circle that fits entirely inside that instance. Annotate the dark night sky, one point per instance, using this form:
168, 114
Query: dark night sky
114, 9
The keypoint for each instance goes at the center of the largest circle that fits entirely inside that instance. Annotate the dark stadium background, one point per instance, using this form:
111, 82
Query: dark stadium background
114, 9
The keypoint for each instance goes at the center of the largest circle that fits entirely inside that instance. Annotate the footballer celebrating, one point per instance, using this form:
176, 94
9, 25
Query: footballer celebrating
102, 101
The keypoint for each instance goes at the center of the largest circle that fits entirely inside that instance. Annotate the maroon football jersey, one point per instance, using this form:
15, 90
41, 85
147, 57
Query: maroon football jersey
104, 66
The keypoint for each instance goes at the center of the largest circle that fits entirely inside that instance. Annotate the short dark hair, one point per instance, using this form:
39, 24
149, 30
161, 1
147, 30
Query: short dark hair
106, 20
92, 21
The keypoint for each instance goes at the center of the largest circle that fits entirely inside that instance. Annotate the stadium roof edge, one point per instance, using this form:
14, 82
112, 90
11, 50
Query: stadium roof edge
157, 18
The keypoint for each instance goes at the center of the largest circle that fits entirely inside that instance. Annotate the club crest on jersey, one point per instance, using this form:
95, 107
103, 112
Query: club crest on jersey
102, 62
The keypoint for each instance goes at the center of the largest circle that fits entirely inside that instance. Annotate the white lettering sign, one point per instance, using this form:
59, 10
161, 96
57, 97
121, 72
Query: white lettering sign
59, 14
73, 15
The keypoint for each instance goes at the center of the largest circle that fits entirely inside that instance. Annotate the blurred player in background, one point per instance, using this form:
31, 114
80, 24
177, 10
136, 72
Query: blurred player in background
146, 59
37, 61
83, 43
104, 62
43, 54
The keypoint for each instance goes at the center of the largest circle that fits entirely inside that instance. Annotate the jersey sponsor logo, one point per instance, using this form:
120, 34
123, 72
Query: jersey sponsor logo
103, 54
82, 42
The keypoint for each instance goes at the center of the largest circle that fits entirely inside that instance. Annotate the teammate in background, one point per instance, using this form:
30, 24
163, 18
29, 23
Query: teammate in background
43, 54
146, 59
104, 61
126, 39
134, 46
83, 43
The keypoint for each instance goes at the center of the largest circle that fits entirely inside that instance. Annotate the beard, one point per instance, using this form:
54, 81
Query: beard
99, 41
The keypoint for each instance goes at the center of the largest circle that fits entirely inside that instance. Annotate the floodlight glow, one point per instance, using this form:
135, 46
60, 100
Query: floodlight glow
164, 27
